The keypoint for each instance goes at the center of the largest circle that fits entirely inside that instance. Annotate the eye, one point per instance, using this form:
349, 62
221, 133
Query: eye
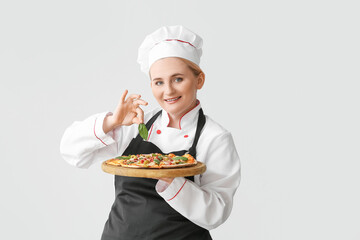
158, 83
178, 80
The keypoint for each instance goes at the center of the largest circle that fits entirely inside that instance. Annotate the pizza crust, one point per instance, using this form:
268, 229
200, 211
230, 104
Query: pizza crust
114, 162
131, 166
179, 165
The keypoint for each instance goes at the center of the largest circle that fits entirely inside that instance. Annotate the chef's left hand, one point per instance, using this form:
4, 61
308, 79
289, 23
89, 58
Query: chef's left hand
167, 180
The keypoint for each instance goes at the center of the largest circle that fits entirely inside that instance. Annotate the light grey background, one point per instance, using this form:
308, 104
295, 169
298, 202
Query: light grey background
282, 76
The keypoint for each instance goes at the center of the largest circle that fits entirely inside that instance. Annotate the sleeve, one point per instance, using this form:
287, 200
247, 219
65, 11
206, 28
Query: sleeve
84, 142
208, 204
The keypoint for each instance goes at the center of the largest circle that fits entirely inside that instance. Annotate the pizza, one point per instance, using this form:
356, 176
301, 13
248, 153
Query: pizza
153, 160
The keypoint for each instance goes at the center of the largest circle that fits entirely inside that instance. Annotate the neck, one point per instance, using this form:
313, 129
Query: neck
174, 122
174, 119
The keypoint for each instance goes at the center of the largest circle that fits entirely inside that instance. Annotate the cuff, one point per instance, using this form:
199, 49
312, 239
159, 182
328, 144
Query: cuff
171, 191
161, 186
105, 139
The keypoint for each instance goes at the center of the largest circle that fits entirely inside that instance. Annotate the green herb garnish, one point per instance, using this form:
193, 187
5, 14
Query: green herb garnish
157, 161
180, 158
123, 157
143, 131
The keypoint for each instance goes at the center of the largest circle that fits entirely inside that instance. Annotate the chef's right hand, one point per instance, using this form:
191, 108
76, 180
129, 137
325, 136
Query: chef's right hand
126, 113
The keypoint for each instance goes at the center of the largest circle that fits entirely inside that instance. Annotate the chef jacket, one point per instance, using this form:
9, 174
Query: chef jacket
208, 200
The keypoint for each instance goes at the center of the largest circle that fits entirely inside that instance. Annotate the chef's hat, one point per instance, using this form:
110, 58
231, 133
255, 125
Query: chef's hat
169, 41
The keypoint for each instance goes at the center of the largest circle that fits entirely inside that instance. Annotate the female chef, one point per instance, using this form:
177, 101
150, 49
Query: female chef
167, 208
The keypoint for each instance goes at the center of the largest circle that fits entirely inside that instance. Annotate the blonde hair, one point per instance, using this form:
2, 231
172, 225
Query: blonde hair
193, 67
196, 70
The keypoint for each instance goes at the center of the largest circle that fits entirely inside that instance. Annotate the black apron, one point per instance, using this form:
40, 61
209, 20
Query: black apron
139, 212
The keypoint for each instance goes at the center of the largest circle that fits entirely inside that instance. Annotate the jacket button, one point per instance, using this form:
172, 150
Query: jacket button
186, 136
158, 131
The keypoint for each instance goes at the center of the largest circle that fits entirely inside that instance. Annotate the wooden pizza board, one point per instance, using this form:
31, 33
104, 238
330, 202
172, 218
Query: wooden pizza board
154, 173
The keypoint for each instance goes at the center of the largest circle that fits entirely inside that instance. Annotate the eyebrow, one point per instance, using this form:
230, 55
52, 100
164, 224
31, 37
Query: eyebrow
175, 74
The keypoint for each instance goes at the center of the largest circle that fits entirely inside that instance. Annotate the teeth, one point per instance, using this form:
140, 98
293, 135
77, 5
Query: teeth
171, 100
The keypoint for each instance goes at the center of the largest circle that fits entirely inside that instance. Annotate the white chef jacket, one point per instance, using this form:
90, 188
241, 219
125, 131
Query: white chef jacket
208, 200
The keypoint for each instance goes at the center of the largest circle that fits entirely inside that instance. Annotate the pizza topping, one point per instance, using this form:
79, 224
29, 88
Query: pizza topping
123, 157
153, 160
180, 158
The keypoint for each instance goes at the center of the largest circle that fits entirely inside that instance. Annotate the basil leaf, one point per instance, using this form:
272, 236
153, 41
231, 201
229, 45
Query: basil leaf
180, 162
123, 157
160, 157
157, 161
180, 158
143, 131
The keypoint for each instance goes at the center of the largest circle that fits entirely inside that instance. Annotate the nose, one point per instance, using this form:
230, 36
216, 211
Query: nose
169, 89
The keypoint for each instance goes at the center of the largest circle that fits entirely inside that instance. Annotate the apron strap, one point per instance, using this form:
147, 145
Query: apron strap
152, 120
200, 124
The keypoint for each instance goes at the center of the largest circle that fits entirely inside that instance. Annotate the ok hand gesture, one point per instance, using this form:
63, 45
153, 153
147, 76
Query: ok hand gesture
126, 113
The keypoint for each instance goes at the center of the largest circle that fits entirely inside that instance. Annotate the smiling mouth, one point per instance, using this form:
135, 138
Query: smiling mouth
172, 99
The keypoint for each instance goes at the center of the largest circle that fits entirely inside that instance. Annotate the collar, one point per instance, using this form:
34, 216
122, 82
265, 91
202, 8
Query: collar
186, 120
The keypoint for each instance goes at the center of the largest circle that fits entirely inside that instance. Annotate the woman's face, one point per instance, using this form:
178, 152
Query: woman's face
174, 85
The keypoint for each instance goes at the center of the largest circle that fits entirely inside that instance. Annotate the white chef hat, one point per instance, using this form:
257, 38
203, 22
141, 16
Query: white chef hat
169, 41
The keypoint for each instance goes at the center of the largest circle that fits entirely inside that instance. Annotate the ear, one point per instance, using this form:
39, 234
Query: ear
200, 81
